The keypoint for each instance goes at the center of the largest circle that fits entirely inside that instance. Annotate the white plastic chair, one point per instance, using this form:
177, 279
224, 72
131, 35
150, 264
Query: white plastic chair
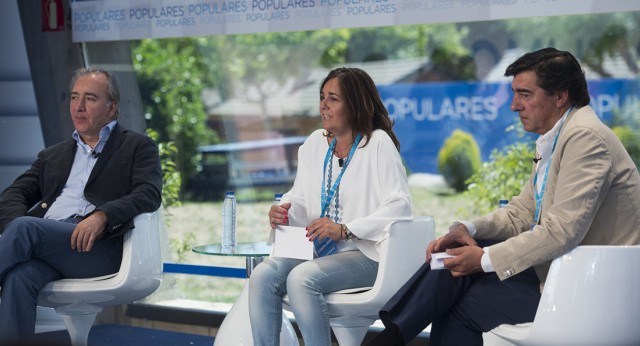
401, 254
78, 301
590, 298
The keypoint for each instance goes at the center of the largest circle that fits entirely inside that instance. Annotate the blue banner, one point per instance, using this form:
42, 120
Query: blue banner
426, 114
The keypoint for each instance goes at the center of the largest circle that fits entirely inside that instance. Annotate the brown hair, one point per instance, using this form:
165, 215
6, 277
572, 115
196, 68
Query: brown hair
365, 110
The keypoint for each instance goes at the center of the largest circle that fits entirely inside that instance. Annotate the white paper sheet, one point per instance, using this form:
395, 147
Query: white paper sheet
292, 242
437, 260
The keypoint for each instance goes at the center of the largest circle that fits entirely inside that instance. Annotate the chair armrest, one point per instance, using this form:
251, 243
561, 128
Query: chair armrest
402, 252
140, 272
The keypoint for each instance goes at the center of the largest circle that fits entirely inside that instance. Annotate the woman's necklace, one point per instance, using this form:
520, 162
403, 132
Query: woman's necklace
343, 165
333, 190
340, 154
337, 193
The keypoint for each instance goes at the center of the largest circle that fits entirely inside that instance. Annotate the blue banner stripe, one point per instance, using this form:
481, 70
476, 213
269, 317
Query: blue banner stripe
426, 114
192, 269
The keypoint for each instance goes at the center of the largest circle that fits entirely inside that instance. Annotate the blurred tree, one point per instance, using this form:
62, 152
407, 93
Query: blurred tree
171, 76
259, 65
617, 34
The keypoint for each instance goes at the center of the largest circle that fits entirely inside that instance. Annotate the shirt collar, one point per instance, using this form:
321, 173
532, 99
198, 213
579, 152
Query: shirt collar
105, 132
544, 143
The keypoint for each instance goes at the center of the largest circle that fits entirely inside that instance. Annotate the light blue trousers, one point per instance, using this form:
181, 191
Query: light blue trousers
306, 283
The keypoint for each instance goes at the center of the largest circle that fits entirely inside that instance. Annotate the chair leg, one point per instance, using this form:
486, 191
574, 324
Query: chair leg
47, 320
350, 336
78, 327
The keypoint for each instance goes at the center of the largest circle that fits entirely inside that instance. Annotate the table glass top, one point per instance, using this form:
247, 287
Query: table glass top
255, 249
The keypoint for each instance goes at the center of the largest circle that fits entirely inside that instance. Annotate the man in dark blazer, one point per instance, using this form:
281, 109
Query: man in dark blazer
65, 216
584, 190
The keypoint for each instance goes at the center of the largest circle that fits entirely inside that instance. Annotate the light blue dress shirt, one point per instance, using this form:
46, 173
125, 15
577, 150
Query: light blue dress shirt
71, 201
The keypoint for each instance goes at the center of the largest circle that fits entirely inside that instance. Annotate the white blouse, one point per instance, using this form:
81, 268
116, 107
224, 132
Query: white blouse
373, 190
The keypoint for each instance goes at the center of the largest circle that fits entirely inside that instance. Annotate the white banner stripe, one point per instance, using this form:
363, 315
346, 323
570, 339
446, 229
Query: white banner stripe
113, 20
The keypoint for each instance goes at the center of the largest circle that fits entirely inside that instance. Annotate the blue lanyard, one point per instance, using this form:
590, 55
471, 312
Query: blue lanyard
539, 196
326, 198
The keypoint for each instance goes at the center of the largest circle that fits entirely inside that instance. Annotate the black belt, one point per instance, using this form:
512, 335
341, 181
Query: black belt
77, 217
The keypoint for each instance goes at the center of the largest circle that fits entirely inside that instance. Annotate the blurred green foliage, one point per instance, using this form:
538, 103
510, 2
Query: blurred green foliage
458, 159
171, 178
172, 75
502, 177
631, 141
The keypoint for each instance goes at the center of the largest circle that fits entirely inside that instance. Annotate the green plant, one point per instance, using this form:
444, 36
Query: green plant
502, 177
171, 178
631, 141
182, 246
171, 181
458, 159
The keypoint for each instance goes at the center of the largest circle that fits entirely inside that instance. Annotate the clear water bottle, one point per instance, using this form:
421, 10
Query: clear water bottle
229, 207
503, 203
277, 198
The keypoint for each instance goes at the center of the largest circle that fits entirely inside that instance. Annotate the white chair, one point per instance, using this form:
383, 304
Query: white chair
78, 301
401, 254
590, 298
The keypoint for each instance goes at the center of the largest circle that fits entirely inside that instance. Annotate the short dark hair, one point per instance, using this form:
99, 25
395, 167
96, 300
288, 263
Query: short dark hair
556, 71
113, 84
365, 110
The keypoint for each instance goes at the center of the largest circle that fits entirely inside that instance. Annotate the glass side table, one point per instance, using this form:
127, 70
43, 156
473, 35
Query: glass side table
254, 252
236, 327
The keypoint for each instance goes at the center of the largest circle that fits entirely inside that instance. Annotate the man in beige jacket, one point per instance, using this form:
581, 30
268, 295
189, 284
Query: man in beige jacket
584, 190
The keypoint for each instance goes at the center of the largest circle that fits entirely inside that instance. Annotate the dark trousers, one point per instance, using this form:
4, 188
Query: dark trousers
35, 251
459, 309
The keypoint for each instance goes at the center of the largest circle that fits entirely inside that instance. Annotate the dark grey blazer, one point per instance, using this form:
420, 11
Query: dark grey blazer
125, 181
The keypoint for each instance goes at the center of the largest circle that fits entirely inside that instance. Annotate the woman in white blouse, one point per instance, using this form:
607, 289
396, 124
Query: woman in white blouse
350, 183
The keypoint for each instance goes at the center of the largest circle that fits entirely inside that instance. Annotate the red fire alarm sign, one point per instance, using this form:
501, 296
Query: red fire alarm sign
52, 15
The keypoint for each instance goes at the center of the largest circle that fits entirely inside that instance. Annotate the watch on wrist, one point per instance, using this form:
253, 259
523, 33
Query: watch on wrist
347, 233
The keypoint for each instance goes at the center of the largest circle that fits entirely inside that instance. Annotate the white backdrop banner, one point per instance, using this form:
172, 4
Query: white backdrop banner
112, 20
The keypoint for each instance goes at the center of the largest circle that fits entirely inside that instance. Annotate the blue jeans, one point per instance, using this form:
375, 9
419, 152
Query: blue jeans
34, 251
306, 283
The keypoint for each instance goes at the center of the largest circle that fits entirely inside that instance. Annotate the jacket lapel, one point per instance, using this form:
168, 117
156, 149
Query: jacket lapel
110, 147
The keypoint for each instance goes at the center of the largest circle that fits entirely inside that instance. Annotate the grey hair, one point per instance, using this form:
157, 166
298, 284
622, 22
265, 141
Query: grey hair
113, 84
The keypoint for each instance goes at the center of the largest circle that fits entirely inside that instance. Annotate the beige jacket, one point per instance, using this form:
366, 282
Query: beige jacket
592, 198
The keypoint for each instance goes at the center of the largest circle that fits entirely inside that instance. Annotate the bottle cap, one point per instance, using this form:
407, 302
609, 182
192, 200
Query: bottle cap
278, 195
230, 192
